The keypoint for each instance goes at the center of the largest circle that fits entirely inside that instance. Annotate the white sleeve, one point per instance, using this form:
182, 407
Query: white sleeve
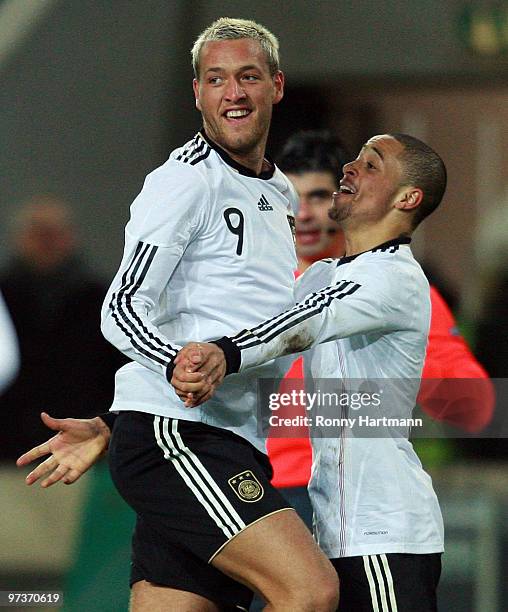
294, 199
165, 217
9, 352
370, 303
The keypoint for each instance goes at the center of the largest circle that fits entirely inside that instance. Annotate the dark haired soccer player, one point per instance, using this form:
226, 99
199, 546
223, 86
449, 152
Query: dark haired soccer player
313, 161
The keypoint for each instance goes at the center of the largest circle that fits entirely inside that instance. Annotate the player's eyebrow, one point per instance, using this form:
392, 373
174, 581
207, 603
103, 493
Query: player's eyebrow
249, 67
241, 69
376, 150
368, 147
319, 193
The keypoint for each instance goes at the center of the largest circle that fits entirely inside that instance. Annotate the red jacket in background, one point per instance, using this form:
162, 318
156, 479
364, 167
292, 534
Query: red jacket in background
466, 402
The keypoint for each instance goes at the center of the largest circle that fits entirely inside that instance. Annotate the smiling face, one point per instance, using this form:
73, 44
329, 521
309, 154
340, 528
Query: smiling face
235, 94
371, 184
315, 231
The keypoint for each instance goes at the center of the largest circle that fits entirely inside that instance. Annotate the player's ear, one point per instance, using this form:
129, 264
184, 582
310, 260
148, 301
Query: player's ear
409, 198
195, 87
278, 81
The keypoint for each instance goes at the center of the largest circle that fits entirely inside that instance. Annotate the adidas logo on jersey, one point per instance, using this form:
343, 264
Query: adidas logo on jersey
264, 204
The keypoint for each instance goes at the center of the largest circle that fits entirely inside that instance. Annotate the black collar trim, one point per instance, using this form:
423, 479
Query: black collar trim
390, 244
265, 175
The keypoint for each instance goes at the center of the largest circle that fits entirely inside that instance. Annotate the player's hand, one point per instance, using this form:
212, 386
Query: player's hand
76, 447
199, 369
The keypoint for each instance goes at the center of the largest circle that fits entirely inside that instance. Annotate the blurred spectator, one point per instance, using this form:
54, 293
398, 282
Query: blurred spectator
492, 254
66, 366
492, 348
492, 337
446, 290
491, 250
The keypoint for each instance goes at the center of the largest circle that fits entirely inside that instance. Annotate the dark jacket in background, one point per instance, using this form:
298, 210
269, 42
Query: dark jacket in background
67, 368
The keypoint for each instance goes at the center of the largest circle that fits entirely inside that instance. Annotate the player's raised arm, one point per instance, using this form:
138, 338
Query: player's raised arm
164, 220
368, 304
348, 307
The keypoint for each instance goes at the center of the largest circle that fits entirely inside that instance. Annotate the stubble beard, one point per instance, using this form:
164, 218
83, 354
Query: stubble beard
340, 214
242, 144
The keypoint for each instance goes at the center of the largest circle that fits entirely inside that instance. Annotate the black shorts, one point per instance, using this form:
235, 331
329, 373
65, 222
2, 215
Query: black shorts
388, 583
193, 487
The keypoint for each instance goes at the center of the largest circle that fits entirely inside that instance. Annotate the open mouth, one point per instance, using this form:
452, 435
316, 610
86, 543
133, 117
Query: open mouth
347, 189
238, 114
308, 236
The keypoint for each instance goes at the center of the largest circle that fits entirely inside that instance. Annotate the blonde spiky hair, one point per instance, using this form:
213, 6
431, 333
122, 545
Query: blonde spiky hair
227, 28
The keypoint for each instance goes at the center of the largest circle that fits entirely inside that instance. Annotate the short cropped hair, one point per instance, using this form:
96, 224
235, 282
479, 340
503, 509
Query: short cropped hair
425, 169
313, 151
227, 28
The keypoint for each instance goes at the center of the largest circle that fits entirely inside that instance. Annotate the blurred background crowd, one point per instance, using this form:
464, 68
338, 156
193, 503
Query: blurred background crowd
94, 95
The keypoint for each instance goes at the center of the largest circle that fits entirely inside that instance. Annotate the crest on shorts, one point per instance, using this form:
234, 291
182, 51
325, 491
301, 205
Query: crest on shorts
247, 486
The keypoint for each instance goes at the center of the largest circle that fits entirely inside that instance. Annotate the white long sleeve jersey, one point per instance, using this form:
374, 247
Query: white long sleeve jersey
209, 249
366, 317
